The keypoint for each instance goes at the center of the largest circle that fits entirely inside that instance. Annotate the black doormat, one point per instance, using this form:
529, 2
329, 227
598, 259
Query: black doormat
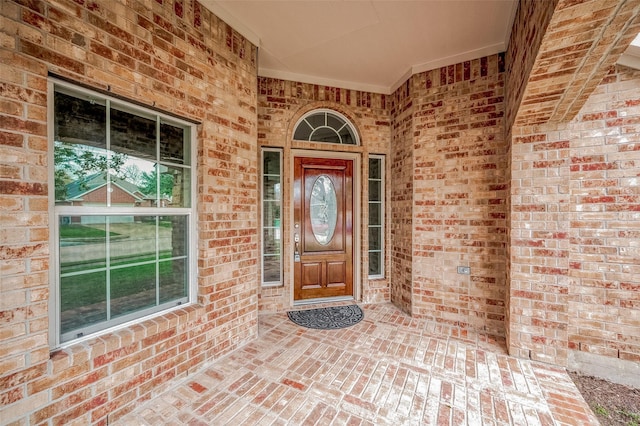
328, 318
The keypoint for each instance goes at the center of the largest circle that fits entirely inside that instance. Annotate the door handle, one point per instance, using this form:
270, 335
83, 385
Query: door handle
296, 249
296, 252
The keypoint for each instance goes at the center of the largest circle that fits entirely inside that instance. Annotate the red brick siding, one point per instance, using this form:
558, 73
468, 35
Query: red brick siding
401, 182
582, 40
539, 243
604, 257
554, 62
459, 193
574, 230
529, 26
173, 55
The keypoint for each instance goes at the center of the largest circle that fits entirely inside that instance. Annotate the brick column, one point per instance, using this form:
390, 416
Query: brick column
539, 244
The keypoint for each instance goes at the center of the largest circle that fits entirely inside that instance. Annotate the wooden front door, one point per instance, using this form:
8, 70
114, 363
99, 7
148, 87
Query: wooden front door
323, 228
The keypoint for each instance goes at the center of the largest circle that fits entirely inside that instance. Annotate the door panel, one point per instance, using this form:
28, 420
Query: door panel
323, 228
336, 273
311, 275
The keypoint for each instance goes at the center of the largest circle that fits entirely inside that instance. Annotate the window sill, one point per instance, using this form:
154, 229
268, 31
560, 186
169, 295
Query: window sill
272, 285
126, 339
376, 278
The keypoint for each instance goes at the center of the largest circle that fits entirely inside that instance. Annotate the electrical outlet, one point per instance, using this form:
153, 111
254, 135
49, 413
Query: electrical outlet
465, 270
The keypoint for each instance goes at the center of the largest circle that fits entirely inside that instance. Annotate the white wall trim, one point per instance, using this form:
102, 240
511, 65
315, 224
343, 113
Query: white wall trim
449, 60
232, 21
322, 81
631, 61
385, 90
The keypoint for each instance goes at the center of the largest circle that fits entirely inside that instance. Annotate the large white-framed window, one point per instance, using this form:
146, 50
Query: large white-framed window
123, 213
376, 216
271, 216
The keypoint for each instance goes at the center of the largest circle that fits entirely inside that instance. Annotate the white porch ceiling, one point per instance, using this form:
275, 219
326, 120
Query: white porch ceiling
372, 45
631, 56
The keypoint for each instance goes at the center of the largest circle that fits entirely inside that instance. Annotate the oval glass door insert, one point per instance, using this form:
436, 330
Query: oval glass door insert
323, 209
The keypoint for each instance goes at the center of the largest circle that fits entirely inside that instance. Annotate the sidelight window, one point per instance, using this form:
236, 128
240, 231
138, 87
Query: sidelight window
271, 219
123, 187
376, 216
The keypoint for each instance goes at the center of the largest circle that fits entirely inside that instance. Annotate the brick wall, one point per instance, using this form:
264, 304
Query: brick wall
539, 243
459, 189
575, 284
560, 50
529, 26
280, 104
604, 219
555, 62
175, 55
401, 184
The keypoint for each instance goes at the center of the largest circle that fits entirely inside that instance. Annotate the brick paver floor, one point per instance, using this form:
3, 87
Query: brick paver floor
389, 369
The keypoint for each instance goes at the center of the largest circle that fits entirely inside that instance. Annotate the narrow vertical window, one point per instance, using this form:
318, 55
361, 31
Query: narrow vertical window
271, 219
376, 216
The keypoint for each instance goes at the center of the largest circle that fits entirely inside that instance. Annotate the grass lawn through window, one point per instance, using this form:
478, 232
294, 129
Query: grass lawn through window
135, 281
75, 231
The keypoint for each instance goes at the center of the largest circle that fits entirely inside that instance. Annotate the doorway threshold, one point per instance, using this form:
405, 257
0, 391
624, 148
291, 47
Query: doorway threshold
323, 300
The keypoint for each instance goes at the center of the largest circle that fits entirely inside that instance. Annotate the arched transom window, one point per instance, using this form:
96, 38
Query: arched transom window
325, 126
